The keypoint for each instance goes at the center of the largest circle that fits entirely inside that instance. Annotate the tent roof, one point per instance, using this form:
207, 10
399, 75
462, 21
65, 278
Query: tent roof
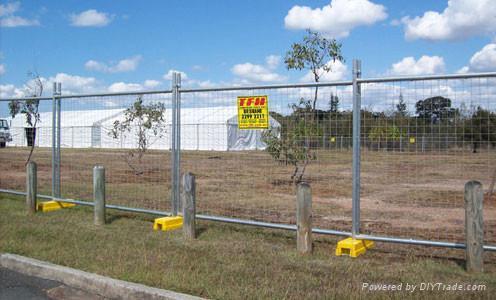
70, 118
203, 115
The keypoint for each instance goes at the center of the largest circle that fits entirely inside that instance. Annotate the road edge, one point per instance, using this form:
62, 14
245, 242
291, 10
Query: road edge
98, 284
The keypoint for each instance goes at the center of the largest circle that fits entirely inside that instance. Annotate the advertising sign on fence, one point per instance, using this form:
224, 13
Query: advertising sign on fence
253, 112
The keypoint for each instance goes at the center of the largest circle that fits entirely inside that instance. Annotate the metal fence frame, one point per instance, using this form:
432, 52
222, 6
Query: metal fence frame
176, 92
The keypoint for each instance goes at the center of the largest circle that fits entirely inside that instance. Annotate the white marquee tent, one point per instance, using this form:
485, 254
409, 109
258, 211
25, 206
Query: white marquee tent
210, 128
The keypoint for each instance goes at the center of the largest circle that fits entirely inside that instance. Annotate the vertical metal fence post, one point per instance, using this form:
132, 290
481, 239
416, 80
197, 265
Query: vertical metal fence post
59, 92
54, 143
178, 141
173, 146
355, 228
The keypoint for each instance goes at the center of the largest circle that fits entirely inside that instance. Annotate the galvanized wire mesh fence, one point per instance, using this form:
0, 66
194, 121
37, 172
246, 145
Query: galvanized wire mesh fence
417, 138
423, 140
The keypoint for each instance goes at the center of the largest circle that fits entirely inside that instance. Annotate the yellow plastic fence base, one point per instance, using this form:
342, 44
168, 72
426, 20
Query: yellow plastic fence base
353, 247
168, 223
53, 205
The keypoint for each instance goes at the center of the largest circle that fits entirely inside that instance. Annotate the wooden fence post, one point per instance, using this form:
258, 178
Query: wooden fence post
99, 195
188, 198
31, 187
474, 226
304, 218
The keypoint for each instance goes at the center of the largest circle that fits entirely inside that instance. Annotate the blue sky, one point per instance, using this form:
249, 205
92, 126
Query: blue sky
98, 46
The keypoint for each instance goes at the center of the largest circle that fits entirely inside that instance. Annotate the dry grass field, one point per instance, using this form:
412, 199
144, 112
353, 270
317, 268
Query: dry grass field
230, 261
404, 194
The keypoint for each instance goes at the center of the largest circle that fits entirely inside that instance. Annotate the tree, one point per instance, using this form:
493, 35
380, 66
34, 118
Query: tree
435, 109
290, 145
145, 121
29, 107
481, 127
333, 104
401, 107
314, 53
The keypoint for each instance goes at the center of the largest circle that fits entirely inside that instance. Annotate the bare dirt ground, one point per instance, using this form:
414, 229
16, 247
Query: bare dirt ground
404, 194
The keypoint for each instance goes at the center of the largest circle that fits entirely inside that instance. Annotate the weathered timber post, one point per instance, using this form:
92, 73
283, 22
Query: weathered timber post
31, 187
189, 205
304, 218
474, 226
99, 194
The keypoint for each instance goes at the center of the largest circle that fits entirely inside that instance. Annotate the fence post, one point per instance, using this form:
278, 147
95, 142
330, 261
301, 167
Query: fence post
173, 146
304, 218
189, 206
99, 195
31, 187
56, 140
355, 227
59, 104
474, 226
176, 143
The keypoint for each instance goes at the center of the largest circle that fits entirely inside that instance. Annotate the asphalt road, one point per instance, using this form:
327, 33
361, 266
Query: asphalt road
15, 286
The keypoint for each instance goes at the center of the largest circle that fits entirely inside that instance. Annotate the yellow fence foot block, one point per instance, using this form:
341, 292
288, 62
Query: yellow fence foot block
353, 247
53, 205
168, 223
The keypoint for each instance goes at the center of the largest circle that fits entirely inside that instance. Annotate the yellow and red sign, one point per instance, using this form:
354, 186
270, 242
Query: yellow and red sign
253, 112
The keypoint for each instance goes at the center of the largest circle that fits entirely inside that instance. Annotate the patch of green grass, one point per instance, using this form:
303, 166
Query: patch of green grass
226, 261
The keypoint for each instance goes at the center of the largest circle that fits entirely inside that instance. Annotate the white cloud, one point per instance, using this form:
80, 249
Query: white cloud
9, 8
124, 65
256, 73
339, 71
16, 21
122, 87
425, 65
250, 73
8, 19
206, 84
460, 19
168, 75
90, 18
74, 84
2, 69
10, 91
150, 83
482, 61
71, 84
273, 61
336, 19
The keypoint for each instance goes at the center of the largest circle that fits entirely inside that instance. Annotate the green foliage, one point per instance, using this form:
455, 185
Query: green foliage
435, 109
145, 121
481, 127
401, 107
291, 146
334, 103
383, 133
314, 53
29, 107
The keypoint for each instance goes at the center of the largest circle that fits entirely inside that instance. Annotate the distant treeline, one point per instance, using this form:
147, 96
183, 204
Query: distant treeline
435, 124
